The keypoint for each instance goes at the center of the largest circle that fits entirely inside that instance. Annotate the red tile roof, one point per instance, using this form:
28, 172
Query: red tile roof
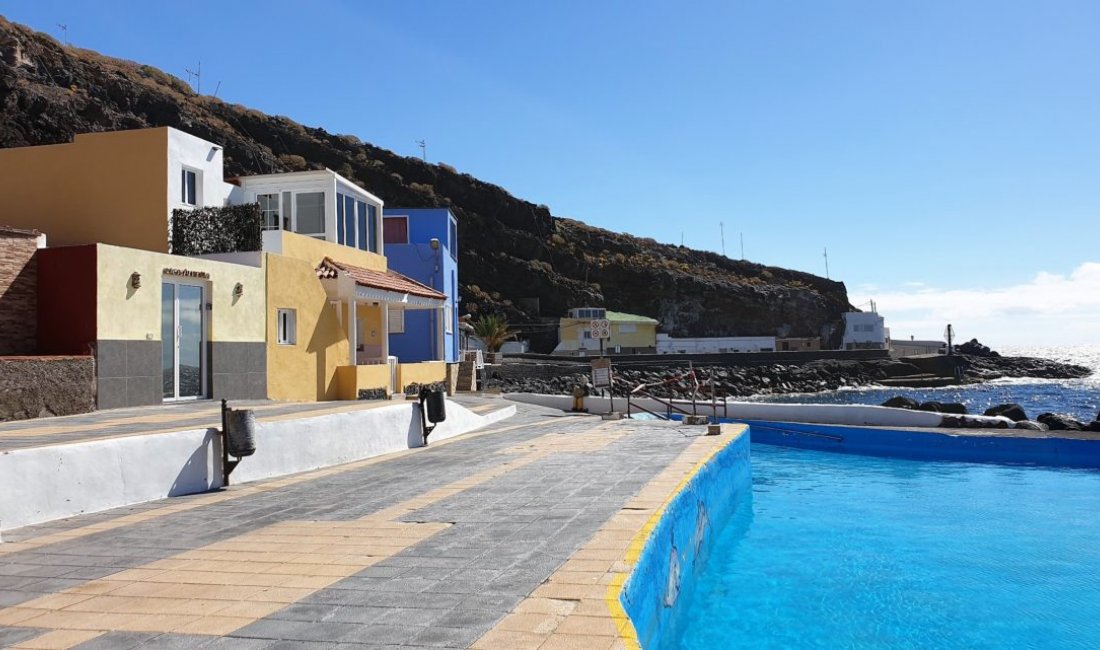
387, 281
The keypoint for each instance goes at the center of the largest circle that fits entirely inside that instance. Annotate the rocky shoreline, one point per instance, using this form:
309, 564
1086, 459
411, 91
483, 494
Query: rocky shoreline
674, 380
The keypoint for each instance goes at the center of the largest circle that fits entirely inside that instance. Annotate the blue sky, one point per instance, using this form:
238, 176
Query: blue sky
944, 152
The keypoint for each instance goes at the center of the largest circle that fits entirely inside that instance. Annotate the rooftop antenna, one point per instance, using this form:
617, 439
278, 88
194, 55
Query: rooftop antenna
217, 87
827, 263
742, 245
722, 227
195, 74
423, 144
681, 237
64, 31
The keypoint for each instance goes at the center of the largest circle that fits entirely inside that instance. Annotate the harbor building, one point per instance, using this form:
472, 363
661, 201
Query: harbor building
630, 333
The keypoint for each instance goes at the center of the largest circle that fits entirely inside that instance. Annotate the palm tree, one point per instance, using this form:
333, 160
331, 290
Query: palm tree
493, 330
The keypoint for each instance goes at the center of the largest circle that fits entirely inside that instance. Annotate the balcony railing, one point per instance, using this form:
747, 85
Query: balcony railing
226, 229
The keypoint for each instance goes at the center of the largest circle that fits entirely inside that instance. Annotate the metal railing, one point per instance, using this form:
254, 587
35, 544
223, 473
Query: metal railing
643, 390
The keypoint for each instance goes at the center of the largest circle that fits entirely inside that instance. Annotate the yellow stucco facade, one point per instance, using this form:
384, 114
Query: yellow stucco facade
633, 334
62, 189
127, 313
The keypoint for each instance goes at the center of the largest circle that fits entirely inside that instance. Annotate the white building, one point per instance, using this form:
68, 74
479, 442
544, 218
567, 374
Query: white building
914, 347
714, 345
865, 330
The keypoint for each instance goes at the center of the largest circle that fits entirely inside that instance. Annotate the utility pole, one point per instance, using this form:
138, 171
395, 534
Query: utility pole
742, 245
196, 74
423, 144
827, 263
722, 227
64, 32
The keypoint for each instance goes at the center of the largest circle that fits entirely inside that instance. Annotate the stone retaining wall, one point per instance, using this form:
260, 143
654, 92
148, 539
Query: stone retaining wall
32, 387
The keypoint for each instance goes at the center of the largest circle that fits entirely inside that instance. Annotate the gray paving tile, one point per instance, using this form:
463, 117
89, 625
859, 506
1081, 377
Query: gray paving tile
13, 635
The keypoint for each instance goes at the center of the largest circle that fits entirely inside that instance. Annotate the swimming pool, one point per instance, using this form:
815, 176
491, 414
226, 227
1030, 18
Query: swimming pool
839, 550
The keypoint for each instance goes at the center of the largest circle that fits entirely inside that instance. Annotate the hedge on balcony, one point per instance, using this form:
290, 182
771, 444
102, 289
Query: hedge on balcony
228, 229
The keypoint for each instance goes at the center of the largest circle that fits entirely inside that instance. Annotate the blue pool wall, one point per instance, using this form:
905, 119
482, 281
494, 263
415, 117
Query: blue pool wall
928, 445
688, 525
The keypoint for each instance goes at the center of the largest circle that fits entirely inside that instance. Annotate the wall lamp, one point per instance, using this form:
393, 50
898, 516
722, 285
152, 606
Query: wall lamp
238, 290
135, 280
434, 243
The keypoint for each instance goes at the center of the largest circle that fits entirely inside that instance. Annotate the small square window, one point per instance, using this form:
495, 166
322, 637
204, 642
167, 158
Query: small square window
286, 323
189, 186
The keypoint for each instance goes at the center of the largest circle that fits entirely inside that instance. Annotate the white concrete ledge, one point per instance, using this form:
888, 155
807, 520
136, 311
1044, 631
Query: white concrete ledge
42, 484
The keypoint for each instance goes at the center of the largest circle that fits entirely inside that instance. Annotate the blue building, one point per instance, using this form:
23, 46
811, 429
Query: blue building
422, 243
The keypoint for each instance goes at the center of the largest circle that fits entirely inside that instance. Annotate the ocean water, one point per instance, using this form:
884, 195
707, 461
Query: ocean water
1077, 397
846, 551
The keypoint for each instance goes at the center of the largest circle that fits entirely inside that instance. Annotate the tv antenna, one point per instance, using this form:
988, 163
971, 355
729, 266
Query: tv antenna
196, 75
423, 144
827, 263
742, 245
64, 32
722, 228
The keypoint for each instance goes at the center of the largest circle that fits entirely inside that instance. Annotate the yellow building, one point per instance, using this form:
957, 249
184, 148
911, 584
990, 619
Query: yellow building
630, 333
317, 297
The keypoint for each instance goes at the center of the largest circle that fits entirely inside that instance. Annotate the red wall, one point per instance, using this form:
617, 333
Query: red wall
66, 299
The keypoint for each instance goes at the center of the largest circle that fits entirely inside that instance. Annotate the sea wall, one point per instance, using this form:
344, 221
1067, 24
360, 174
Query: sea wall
681, 538
985, 447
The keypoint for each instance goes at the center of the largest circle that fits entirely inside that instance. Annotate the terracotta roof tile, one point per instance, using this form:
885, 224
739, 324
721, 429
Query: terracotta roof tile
387, 281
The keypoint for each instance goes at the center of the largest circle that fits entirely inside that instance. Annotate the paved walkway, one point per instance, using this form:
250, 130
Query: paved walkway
448, 546
162, 418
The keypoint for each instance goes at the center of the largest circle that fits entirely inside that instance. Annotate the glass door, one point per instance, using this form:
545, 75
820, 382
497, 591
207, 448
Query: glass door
183, 340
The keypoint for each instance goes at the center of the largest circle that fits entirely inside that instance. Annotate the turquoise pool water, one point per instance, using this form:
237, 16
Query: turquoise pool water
846, 551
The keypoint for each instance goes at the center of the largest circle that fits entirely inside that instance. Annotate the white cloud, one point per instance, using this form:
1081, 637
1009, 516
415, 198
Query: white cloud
1051, 309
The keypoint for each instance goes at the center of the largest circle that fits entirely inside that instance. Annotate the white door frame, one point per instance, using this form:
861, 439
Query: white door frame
204, 329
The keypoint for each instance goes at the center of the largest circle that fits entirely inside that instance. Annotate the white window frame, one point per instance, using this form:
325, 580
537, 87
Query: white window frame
197, 173
396, 320
324, 214
278, 210
448, 318
286, 326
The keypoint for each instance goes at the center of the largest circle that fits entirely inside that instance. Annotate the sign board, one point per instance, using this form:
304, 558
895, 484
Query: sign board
600, 328
601, 373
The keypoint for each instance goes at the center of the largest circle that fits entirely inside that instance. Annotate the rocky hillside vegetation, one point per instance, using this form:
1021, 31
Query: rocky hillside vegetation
516, 257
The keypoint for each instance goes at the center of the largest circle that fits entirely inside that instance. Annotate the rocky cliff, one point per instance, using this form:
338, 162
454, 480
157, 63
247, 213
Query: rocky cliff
515, 256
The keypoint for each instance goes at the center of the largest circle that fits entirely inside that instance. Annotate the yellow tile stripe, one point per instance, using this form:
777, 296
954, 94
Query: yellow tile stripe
579, 605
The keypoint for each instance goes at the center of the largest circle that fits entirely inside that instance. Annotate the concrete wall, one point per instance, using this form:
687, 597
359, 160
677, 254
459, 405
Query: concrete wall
46, 483
708, 345
352, 379
18, 291
428, 372
658, 593
32, 387
114, 189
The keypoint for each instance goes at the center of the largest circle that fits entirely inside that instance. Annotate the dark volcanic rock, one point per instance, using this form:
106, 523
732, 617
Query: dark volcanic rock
516, 257
900, 402
953, 407
975, 349
1013, 412
1028, 424
1058, 422
1093, 426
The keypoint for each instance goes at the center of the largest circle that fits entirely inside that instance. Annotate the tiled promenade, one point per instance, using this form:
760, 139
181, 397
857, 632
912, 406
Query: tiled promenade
506, 538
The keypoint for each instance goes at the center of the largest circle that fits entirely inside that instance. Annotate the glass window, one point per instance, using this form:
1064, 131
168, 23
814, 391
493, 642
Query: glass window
361, 212
286, 325
372, 225
189, 187
452, 243
349, 217
269, 209
309, 213
448, 319
395, 230
340, 219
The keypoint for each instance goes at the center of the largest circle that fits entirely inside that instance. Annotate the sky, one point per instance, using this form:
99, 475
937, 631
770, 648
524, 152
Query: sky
946, 154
